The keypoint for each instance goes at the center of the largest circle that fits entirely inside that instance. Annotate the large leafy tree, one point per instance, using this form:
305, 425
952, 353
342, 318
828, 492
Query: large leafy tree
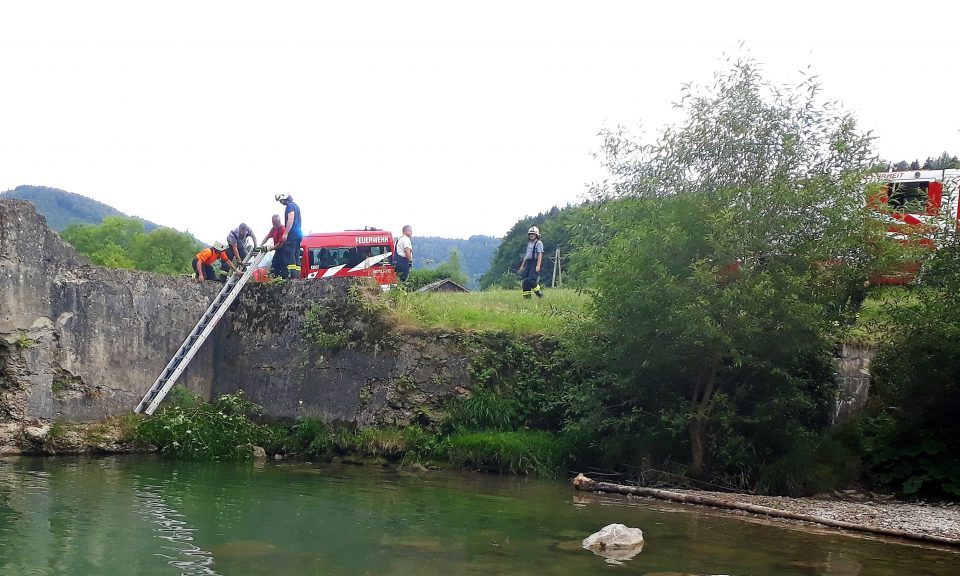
724, 259
121, 242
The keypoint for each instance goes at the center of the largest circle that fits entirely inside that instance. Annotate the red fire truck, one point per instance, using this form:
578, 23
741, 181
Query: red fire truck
917, 206
355, 253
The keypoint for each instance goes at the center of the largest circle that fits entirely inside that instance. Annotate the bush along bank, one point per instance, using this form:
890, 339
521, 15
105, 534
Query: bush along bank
226, 429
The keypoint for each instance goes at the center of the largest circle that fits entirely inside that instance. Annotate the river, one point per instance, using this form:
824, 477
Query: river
129, 515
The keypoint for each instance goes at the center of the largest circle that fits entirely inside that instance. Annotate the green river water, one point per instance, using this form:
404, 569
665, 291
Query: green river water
140, 515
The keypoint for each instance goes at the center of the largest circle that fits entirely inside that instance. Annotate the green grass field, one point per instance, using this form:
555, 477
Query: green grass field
507, 311
491, 310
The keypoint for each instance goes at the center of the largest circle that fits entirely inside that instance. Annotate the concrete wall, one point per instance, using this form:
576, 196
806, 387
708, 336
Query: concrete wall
79, 342
382, 376
853, 369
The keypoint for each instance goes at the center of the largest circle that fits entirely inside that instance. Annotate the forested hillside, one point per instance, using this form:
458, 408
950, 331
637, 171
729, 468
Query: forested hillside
62, 208
476, 253
557, 229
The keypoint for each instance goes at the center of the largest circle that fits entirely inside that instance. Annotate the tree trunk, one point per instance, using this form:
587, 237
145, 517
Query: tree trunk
696, 429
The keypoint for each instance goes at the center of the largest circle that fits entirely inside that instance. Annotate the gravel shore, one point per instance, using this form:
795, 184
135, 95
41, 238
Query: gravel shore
941, 520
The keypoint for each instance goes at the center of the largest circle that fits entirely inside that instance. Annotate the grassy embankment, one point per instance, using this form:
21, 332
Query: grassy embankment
491, 311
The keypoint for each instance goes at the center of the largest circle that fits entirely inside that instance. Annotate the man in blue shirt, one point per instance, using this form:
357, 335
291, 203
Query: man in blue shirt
289, 251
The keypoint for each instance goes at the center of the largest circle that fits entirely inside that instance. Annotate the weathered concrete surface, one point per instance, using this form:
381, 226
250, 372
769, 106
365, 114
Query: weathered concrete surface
853, 370
79, 342
380, 377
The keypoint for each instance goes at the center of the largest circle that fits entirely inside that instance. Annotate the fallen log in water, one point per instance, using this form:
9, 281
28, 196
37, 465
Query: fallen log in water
583, 483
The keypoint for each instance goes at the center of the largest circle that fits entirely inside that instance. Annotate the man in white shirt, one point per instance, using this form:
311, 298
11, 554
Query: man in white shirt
403, 255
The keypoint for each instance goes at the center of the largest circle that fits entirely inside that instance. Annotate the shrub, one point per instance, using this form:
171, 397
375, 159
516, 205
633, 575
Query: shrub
308, 436
191, 429
520, 452
484, 410
910, 429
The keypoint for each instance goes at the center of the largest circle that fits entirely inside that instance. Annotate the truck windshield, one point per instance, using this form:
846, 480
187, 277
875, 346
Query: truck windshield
328, 257
911, 197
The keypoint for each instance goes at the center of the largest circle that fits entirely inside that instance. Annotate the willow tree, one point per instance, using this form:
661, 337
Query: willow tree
725, 257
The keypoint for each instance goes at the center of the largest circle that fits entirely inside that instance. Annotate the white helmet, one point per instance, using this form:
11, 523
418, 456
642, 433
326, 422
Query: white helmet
219, 245
534, 230
281, 197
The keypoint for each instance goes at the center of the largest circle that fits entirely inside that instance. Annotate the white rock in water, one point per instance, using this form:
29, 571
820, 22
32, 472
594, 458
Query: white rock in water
614, 537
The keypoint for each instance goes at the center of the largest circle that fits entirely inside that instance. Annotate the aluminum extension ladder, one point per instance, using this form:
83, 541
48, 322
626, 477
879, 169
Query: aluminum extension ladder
231, 289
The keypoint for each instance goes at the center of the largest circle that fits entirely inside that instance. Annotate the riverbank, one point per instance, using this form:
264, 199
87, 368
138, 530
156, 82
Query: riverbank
942, 520
852, 510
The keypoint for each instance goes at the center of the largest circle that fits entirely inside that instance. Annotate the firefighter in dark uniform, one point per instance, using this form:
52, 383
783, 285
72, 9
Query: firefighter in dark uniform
289, 251
530, 264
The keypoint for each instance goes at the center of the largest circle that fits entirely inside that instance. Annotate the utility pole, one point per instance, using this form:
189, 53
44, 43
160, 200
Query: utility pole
557, 279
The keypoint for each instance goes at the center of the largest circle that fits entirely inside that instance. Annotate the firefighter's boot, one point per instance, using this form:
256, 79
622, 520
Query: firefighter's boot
538, 291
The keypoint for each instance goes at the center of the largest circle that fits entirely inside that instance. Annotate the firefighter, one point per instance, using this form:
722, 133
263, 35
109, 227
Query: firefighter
532, 260
289, 251
203, 261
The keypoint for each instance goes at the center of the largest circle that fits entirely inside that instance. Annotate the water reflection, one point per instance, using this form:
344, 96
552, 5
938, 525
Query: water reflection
132, 515
188, 557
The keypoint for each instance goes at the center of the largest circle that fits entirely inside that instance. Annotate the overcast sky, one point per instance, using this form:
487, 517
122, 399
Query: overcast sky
458, 118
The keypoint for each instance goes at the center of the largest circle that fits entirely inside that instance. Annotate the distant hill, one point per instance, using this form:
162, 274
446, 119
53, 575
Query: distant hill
62, 208
476, 253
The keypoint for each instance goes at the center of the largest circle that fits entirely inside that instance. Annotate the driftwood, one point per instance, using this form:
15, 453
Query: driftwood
583, 483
